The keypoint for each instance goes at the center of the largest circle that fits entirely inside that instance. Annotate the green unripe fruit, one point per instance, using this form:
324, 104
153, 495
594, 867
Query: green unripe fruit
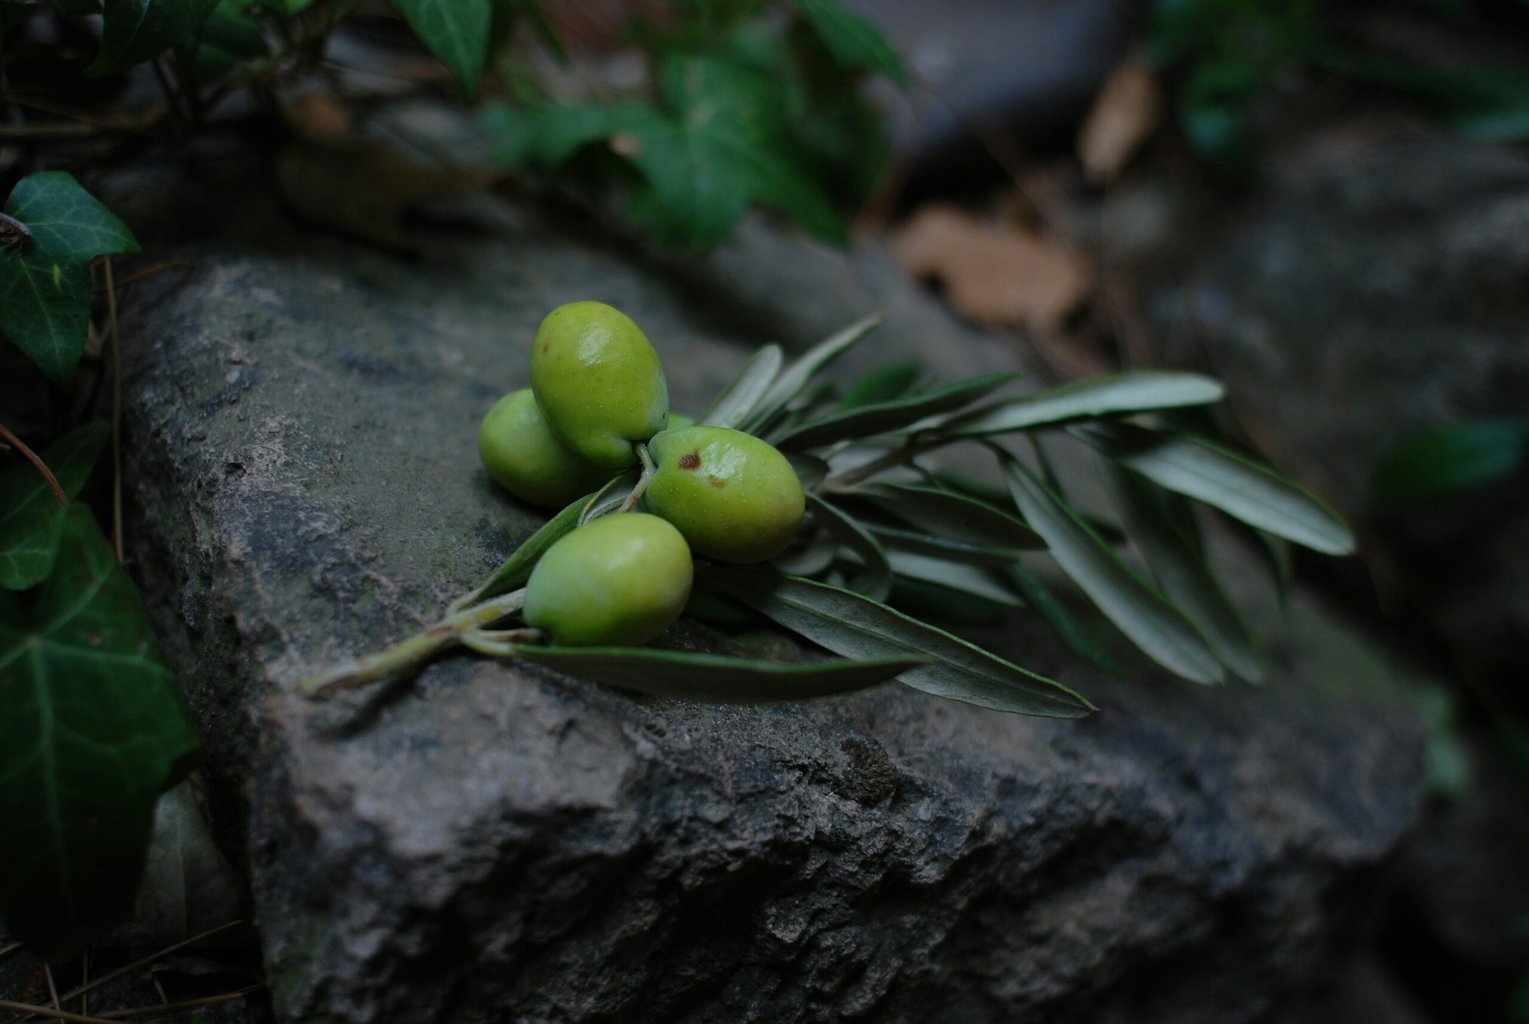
620, 579
734, 497
599, 382
525, 457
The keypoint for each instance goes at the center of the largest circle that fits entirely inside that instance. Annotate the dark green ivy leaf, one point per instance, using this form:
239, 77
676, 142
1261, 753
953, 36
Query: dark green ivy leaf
30, 516
133, 31
92, 730
456, 31
1449, 459
854, 42
45, 280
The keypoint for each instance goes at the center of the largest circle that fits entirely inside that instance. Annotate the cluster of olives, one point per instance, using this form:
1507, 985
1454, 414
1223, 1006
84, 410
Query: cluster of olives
598, 405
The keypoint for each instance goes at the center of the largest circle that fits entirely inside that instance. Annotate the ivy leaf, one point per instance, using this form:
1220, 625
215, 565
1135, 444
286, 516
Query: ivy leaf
882, 384
133, 31
31, 518
45, 280
719, 144
1118, 395
546, 134
1449, 459
91, 731
456, 31
853, 41
857, 627
1160, 630
713, 677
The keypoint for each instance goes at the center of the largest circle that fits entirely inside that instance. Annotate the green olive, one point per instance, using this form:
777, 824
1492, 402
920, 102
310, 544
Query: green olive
525, 457
620, 579
734, 497
599, 382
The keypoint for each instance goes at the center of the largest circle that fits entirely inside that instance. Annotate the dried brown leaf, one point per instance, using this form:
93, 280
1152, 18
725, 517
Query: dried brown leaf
1124, 114
364, 188
995, 275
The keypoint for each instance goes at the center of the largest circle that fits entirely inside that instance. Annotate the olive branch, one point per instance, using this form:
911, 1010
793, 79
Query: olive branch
889, 530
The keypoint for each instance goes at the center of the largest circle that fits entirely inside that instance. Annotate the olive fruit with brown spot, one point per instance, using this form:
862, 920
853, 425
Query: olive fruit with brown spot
526, 458
599, 382
617, 580
734, 496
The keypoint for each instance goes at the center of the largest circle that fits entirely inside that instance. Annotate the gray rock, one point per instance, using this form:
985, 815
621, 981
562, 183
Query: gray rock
490, 842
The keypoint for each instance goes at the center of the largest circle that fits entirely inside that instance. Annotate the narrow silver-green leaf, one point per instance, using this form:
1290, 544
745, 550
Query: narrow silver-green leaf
1154, 625
714, 677
1238, 486
1118, 395
889, 416
978, 581
940, 547
951, 514
1182, 574
1067, 626
740, 398
874, 579
856, 627
810, 469
796, 376
517, 568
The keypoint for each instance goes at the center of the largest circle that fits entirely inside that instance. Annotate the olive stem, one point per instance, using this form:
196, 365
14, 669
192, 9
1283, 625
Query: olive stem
500, 643
901, 456
649, 468
410, 653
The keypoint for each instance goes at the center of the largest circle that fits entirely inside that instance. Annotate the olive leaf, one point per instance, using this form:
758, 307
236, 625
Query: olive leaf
976, 580
739, 398
1182, 574
854, 626
91, 731
517, 568
1118, 395
1235, 484
714, 677
950, 514
874, 577
895, 414
1068, 627
790, 382
1159, 629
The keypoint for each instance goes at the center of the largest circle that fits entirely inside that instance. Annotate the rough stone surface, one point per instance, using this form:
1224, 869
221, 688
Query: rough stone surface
1371, 286
489, 843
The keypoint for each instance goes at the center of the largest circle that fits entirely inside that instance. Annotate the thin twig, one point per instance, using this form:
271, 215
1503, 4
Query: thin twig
146, 272
47, 972
116, 410
33, 1010
183, 1004
85, 980
31, 456
145, 961
8, 949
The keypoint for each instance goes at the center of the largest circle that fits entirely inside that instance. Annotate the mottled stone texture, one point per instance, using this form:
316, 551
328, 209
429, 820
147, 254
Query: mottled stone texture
494, 843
